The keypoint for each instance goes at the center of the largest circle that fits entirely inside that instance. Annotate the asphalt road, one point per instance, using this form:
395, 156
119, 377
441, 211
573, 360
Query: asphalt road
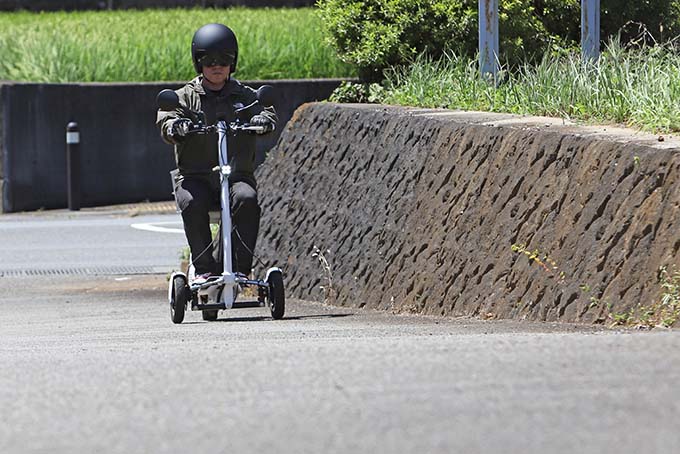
62, 240
92, 363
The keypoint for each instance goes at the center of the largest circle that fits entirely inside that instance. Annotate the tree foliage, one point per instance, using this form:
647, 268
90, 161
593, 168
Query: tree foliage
376, 34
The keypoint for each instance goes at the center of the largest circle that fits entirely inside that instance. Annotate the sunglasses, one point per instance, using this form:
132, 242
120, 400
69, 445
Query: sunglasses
216, 60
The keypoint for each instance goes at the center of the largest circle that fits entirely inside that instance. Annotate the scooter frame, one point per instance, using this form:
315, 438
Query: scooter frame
221, 292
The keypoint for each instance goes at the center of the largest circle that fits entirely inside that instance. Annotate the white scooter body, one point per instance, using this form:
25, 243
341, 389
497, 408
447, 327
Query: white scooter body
221, 292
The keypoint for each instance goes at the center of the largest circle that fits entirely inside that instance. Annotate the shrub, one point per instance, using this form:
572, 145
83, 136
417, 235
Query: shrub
376, 34
352, 92
660, 18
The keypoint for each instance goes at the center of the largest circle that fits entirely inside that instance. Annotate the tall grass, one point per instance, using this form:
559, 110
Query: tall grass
637, 87
154, 45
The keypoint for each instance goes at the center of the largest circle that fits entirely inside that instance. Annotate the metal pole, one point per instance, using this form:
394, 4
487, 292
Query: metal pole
488, 38
73, 166
590, 29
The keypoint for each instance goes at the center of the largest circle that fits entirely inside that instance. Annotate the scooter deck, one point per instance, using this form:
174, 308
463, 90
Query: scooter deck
220, 306
218, 280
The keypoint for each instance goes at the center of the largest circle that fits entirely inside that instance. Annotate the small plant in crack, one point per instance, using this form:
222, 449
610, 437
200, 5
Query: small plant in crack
550, 266
541, 259
622, 318
328, 289
670, 282
663, 313
594, 302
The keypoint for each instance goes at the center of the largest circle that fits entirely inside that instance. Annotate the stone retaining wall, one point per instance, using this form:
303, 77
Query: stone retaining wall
453, 213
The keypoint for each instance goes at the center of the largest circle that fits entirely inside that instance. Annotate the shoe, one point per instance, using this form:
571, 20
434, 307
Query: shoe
201, 279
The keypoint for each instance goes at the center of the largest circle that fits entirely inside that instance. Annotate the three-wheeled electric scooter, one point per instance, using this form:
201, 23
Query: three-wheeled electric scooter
221, 292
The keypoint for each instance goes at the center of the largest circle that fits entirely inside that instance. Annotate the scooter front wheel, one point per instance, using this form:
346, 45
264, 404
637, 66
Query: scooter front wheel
179, 296
277, 297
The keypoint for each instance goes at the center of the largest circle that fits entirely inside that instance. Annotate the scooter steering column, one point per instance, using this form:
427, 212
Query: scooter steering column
227, 296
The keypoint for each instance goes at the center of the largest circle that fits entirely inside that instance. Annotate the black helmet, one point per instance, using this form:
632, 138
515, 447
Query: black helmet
215, 41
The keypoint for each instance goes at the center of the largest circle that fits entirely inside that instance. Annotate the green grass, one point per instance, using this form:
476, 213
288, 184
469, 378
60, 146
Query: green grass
154, 45
639, 88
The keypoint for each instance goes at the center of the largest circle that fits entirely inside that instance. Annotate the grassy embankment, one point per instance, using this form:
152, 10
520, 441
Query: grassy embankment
639, 88
154, 45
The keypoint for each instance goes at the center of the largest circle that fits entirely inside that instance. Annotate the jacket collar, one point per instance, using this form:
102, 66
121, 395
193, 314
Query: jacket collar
196, 85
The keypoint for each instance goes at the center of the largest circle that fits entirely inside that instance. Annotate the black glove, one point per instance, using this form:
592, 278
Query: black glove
180, 128
261, 120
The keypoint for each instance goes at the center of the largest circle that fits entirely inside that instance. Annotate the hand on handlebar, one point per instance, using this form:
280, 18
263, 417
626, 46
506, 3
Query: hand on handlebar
261, 120
180, 128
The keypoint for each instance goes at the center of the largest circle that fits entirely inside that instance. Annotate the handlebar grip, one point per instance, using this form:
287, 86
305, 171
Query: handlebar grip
254, 128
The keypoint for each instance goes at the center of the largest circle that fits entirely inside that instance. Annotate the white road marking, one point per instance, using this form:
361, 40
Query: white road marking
154, 227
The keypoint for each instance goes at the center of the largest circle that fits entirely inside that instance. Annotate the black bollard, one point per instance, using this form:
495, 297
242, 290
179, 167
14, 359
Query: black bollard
73, 165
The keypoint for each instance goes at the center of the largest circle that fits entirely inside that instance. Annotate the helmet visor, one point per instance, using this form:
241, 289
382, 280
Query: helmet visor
216, 59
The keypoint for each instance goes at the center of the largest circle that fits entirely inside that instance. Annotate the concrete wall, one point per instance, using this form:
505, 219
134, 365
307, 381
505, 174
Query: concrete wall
71, 5
418, 211
3, 155
123, 157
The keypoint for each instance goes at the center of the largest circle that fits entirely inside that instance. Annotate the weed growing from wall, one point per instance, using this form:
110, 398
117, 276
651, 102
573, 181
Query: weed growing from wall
328, 289
663, 313
542, 259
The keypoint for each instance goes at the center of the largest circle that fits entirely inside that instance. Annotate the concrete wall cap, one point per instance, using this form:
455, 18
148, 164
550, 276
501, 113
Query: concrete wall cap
613, 132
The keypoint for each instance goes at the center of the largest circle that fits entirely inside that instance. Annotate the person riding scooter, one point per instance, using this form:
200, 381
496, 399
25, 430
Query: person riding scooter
214, 51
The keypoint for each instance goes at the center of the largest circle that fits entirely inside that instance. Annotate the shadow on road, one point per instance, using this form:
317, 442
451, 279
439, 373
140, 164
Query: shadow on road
262, 318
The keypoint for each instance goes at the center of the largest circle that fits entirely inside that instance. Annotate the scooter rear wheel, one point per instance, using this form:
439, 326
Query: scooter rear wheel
180, 297
277, 298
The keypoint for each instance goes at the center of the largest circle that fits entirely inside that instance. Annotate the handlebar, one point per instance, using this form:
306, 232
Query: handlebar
233, 127
247, 127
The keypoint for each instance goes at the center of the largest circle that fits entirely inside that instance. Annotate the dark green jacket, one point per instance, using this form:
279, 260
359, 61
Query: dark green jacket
197, 154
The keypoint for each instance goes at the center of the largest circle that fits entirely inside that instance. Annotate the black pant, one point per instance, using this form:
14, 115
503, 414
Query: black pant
196, 197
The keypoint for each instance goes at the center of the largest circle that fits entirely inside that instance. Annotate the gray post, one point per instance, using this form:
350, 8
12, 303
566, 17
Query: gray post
73, 166
590, 29
488, 37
